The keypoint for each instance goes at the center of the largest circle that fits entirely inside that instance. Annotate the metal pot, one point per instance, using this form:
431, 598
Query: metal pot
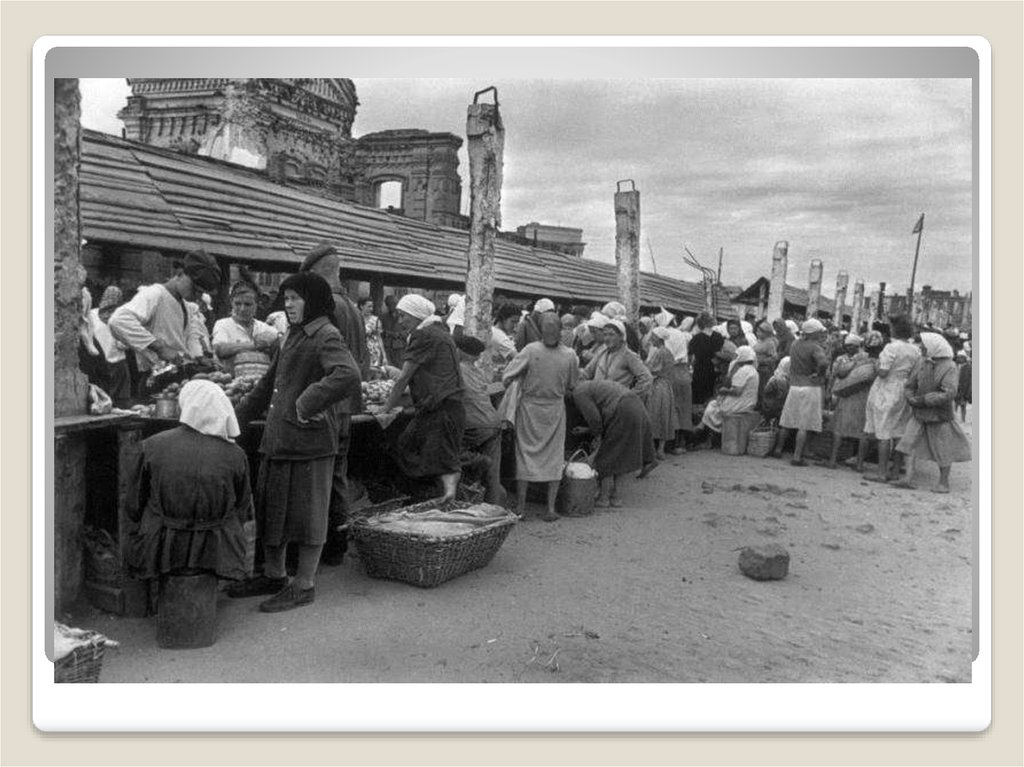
166, 407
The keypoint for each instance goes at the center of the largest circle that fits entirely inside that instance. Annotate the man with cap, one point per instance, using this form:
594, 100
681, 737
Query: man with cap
808, 367
325, 261
483, 424
158, 324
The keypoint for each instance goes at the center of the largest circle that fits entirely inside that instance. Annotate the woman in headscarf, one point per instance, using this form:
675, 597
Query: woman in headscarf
887, 412
616, 362
528, 330
242, 332
932, 432
190, 493
803, 408
590, 339
109, 370
678, 342
312, 372
734, 332
661, 406
739, 395
848, 413
703, 346
622, 430
766, 349
613, 310
432, 441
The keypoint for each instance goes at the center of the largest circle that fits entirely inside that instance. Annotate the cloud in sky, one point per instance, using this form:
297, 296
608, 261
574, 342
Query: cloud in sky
841, 168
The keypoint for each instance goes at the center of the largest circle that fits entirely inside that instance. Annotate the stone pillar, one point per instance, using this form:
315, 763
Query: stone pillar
879, 312
777, 287
857, 313
842, 281
814, 288
377, 294
485, 145
762, 302
70, 386
627, 249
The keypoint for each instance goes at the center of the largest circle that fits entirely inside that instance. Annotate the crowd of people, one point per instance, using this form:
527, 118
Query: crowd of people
629, 394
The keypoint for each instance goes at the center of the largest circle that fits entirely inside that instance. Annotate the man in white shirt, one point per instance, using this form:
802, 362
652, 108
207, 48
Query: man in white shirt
157, 324
502, 346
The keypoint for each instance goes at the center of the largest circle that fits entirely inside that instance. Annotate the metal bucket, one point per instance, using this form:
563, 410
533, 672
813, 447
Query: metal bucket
186, 613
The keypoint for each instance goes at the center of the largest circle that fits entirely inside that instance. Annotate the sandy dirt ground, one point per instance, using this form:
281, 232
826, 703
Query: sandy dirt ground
879, 590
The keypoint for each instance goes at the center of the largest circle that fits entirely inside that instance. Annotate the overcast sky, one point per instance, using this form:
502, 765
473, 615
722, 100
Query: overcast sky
840, 168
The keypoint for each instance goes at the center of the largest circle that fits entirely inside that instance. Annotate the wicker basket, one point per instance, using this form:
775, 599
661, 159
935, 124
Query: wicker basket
251, 363
424, 560
761, 440
84, 662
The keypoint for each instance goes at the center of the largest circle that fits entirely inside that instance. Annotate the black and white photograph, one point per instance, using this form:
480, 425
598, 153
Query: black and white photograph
514, 380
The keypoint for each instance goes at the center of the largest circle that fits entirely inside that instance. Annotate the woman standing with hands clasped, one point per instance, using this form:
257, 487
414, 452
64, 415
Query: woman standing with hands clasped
311, 373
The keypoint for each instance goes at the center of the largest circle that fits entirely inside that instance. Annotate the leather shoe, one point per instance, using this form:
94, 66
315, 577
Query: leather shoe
259, 586
290, 597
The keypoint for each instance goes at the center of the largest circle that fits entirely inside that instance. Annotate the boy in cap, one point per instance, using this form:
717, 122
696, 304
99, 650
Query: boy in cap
157, 323
325, 261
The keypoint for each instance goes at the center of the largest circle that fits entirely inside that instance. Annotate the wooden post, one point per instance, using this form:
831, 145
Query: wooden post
377, 294
627, 249
842, 281
222, 301
762, 302
777, 287
880, 307
485, 146
870, 309
134, 600
814, 288
857, 313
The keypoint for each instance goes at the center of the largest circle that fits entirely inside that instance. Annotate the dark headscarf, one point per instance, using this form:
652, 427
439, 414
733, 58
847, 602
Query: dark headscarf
203, 269
315, 292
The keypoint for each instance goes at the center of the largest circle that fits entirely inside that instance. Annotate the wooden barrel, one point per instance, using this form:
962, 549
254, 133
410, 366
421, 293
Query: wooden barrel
186, 614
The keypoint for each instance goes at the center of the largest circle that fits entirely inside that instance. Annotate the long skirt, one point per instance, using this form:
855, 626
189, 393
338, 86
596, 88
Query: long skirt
626, 443
682, 388
540, 439
849, 414
802, 409
292, 498
431, 443
887, 413
661, 408
945, 443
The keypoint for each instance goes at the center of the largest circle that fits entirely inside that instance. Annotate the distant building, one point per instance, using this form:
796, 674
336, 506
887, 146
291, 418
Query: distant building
939, 308
563, 239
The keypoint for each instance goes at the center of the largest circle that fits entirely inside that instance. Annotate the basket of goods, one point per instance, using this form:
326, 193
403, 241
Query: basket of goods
78, 654
578, 490
761, 439
375, 394
251, 363
429, 543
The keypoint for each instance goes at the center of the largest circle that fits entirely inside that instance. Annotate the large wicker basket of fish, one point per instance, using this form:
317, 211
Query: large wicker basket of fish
429, 543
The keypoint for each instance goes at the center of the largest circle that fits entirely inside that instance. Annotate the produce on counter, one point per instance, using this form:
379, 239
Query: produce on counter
235, 388
375, 394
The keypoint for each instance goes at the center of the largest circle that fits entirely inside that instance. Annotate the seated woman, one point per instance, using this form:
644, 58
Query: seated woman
242, 332
738, 395
190, 493
623, 444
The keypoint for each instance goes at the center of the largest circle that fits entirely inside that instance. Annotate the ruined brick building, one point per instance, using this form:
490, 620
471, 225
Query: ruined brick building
299, 132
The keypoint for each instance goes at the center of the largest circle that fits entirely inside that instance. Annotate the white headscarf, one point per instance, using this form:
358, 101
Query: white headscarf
457, 315
662, 333
812, 326
687, 324
613, 309
663, 318
782, 369
793, 327
852, 339
744, 354
544, 305
936, 347
619, 326
597, 320
677, 342
206, 408
416, 305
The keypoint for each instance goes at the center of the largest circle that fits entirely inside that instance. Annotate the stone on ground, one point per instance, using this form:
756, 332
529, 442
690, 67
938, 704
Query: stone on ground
767, 562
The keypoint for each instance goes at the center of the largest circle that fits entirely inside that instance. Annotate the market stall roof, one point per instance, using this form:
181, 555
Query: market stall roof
794, 299
141, 196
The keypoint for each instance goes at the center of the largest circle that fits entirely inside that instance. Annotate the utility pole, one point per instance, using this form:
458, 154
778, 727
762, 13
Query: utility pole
627, 248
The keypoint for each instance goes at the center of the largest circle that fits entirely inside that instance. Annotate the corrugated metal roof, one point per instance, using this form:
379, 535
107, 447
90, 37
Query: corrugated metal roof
146, 197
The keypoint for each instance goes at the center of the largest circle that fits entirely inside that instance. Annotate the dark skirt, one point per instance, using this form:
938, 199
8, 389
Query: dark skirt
682, 387
626, 444
292, 498
704, 376
431, 443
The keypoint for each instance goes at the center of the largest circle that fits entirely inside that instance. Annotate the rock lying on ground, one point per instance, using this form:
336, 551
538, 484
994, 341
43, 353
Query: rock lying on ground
767, 562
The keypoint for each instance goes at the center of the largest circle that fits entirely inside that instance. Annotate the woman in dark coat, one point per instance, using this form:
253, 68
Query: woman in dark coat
190, 493
432, 442
312, 372
618, 419
703, 347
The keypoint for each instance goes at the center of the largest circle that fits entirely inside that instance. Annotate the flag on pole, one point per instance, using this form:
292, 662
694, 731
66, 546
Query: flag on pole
919, 225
